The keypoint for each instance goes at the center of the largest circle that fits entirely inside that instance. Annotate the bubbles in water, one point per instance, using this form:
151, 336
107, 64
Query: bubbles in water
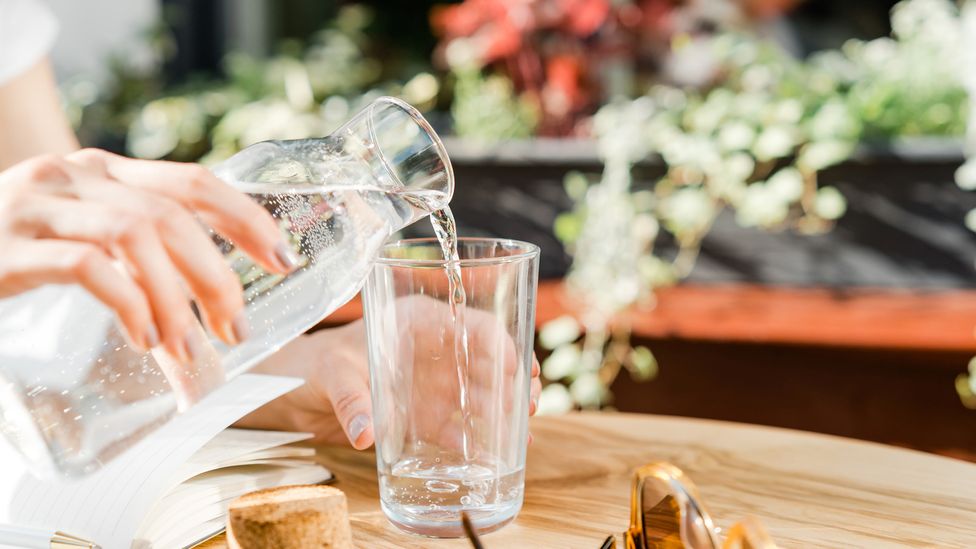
440, 486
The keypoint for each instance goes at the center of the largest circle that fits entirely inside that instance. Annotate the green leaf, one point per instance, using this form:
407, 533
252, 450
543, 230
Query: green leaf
576, 184
643, 363
568, 227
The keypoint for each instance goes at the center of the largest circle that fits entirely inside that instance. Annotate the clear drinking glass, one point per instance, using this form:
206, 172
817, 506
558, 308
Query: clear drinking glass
451, 399
73, 393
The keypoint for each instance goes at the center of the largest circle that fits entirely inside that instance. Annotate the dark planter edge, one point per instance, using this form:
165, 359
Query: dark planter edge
548, 151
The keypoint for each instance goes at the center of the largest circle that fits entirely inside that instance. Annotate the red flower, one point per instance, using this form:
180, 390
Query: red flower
585, 17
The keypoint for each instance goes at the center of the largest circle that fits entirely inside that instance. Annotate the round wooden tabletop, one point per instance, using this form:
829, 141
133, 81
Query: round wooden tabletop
809, 490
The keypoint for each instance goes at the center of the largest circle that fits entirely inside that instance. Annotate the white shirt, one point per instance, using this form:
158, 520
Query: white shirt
27, 32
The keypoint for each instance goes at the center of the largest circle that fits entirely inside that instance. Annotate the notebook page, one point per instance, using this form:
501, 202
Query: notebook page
232, 445
175, 518
108, 506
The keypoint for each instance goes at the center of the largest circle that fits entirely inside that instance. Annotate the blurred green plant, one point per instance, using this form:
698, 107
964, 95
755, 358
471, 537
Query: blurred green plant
304, 91
486, 107
754, 144
966, 174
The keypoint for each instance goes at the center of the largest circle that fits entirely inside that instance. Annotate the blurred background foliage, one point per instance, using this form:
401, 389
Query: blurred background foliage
744, 102
496, 69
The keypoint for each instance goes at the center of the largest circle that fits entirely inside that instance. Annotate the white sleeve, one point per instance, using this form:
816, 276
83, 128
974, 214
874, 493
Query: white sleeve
27, 32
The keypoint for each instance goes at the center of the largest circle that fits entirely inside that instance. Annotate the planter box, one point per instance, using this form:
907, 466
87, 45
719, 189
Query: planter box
872, 364
873, 355
904, 225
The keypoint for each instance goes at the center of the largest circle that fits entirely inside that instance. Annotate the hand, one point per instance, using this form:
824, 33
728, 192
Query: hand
334, 404
127, 231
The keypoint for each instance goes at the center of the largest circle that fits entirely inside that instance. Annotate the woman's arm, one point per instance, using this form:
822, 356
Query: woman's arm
32, 121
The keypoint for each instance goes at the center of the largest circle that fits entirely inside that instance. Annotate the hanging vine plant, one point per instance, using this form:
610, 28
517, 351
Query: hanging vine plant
752, 144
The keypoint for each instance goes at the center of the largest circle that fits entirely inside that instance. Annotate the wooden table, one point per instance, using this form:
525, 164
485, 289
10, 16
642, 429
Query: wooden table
810, 490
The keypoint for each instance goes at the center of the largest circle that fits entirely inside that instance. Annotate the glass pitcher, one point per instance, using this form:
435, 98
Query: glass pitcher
73, 394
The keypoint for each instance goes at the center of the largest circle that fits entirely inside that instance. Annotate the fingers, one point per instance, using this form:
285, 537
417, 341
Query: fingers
214, 285
535, 390
137, 244
347, 388
28, 264
187, 244
230, 212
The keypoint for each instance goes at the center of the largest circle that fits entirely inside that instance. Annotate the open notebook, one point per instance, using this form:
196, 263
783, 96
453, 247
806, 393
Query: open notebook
171, 489
234, 463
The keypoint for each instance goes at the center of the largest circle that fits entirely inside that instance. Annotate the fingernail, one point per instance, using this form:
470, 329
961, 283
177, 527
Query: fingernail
286, 256
193, 345
357, 425
535, 405
531, 438
240, 327
152, 336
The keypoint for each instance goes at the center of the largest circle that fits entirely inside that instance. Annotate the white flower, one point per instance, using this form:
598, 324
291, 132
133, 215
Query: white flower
787, 184
739, 166
462, 53
688, 209
421, 89
554, 399
972, 376
931, 19
690, 150
966, 175
563, 362
655, 272
621, 126
335, 108
756, 77
774, 142
832, 120
693, 64
818, 155
707, 117
750, 106
559, 331
730, 189
736, 136
761, 207
788, 111
645, 227
830, 203
587, 390
878, 52
162, 124
743, 52
970, 220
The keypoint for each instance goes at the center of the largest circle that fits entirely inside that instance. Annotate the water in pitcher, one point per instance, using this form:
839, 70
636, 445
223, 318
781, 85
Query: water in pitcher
335, 231
87, 396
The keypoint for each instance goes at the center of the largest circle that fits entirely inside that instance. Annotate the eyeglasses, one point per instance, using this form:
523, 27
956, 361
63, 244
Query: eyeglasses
666, 512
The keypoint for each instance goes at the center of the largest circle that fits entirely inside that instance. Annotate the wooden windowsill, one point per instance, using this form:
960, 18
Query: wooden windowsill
741, 313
